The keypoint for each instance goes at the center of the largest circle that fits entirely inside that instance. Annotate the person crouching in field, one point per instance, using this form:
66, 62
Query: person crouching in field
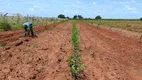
28, 28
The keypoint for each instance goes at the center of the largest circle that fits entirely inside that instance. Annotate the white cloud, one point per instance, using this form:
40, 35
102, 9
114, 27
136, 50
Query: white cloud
9, 4
76, 6
31, 9
35, 6
124, 2
42, 9
131, 9
121, 2
66, 11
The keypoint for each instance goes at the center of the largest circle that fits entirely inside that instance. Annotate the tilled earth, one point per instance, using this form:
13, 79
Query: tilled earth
106, 55
41, 58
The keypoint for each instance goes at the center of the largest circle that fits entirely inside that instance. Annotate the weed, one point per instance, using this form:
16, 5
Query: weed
35, 45
128, 25
1, 46
49, 28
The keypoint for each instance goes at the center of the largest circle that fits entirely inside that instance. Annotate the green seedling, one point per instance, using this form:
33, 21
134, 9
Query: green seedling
1, 46
28, 31
49, 28
75, 65
74, 61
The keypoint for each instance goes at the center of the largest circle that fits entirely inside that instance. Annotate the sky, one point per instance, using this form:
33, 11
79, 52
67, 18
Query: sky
122, 9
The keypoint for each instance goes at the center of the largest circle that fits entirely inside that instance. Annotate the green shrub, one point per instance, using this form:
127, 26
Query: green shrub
16, 26
5, 26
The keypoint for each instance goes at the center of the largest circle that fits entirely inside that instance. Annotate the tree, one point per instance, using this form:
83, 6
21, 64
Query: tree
80, 17
141, 19
67, 17
61, 16
98, 17
75, 17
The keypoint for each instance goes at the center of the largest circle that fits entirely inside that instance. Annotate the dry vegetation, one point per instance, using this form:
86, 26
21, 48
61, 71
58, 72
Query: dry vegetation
15, 21
132, 25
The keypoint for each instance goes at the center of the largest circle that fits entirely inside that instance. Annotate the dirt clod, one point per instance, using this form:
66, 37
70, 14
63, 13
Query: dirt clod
18, 43
27, 40
7, 47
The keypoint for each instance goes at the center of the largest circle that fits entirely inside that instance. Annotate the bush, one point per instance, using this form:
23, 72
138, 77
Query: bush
80, 17
75, 17
16, 26
5, 26
98, 17
61, 16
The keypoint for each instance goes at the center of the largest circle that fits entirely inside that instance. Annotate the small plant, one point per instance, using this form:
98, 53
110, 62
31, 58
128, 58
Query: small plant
28, 31
75, 64
35, 45
1, 46
128, 25
74, 61
49, 28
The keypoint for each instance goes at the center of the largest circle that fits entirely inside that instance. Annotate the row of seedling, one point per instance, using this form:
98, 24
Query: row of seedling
74, 60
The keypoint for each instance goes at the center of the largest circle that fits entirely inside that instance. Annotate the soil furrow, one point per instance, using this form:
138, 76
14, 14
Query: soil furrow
107, 59
41, 58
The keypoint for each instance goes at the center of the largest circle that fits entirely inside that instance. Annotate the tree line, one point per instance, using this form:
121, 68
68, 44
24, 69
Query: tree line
62, 16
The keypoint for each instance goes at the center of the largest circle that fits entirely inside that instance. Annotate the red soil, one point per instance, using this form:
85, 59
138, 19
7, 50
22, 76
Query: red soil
41, 58
108, 55
5, 37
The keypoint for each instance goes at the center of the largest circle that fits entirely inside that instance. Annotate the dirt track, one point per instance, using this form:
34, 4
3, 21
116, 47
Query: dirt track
107, 55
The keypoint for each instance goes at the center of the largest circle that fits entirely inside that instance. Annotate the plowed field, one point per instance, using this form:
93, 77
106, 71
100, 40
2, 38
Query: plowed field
106, 55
